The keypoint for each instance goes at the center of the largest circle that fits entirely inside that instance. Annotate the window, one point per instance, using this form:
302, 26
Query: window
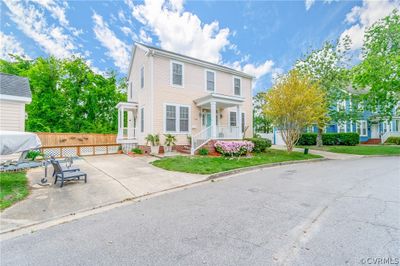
243, 121
232, 119
362, 128
341, 105
183, 119
237, 86
177, 74
341, 128
142, 119
396, 124
210, 80
177, 118
142, 77
130, 90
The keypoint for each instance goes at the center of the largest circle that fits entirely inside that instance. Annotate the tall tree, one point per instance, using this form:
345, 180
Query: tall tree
67, 96
261, 122
379, 71
329, 67
293, 103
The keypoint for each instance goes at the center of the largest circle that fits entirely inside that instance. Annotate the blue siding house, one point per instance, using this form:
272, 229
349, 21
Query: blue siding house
372, 129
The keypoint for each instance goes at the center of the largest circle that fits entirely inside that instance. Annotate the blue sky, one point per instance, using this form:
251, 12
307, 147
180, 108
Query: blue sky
262, 38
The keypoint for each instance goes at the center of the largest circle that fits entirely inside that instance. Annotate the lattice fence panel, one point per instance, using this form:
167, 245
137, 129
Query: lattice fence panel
113, 149
86, 151
100, 150
56, 152
69, 151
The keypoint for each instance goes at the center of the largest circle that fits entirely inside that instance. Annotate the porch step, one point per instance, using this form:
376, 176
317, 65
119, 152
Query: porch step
372, 141
185, 149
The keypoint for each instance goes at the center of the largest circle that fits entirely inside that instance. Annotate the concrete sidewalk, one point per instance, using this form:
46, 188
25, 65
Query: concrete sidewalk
111, 179
326, 154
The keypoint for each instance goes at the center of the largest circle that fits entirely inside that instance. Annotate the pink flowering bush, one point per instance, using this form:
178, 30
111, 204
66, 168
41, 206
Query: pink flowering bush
234, 148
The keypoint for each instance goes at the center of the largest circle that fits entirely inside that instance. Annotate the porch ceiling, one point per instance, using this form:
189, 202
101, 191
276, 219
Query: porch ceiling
221, 100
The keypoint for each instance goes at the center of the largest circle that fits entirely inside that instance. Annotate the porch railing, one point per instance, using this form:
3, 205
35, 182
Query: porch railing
388, 134
200, 139
228, 132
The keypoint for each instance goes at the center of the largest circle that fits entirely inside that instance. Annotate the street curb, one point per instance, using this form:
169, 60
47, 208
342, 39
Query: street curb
262, 166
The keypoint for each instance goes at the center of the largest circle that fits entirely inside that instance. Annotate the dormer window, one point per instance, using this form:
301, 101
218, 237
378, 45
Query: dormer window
237, 86
210, 80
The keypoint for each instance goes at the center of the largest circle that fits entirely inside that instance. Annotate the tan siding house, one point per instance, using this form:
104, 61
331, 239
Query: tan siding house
169, 93
14, 94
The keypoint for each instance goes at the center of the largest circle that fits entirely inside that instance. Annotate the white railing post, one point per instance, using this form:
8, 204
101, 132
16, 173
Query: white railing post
213, 120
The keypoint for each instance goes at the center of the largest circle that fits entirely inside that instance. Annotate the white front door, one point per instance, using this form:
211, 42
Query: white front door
374, 131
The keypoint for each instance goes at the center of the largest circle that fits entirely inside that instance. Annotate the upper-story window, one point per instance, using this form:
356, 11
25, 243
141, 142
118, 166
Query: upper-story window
177, 72
142, 77
237, 86
210, 80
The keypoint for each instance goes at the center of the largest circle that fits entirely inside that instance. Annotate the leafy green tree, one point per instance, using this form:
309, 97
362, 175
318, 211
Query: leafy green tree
261, 122
379, 71
329, 68
67, 96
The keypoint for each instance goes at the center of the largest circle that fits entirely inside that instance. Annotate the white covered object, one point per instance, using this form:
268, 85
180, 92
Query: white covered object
14, 141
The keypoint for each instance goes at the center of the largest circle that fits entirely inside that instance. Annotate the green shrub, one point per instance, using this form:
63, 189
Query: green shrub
307, 139
393, 140
33, 154
260, 144
137, 151
346, 139
203, 151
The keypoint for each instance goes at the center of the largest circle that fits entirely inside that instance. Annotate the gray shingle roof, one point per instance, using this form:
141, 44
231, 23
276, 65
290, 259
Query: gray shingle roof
14, 86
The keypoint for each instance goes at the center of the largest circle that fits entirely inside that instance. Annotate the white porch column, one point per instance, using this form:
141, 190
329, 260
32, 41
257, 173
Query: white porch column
130, 124
213, 120
239, 120
119, 123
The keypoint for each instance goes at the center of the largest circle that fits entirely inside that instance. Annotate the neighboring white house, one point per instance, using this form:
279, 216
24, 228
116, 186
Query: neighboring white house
14, 94
187, 97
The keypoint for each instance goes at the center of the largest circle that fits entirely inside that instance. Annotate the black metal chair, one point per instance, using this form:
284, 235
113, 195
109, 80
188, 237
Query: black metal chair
66, 168
65, 176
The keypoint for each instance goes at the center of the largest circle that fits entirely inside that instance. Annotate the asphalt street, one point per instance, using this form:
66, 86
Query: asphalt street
337, 212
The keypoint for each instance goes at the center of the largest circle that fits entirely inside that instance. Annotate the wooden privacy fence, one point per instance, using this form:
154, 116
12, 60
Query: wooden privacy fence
72, 139
77, 144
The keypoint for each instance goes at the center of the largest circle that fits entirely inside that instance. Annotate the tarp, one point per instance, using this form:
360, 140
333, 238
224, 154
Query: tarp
14, 141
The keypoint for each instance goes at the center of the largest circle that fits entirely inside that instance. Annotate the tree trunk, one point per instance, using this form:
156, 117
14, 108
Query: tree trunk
319, 137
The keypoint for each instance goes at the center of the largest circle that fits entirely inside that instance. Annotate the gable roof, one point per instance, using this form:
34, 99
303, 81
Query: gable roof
173, 55
14, 87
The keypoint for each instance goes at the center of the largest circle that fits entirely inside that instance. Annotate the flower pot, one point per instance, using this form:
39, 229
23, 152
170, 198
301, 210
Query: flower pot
155, 149
167, 149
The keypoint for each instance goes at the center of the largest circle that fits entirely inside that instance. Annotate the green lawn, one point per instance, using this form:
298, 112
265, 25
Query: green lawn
363, 149
210, 165
13, 188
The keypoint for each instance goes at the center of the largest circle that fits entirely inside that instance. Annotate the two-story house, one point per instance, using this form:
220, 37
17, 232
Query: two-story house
195, 100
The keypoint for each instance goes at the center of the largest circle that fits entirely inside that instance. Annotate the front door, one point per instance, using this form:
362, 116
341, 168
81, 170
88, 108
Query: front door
374, 131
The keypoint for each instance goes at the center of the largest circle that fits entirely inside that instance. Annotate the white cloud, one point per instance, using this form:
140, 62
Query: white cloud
144, 37
256, 70
56, 11
181, 31
309, 3
31, 21
9, 45
116, 49
362, 17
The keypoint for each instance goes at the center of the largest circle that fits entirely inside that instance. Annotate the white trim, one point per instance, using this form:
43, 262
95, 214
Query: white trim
171, 74
152, 93
177, 119
233, 86
339, 126
15, 98
205, 80
360, 128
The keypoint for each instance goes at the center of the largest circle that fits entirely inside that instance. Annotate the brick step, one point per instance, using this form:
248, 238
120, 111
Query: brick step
372, 141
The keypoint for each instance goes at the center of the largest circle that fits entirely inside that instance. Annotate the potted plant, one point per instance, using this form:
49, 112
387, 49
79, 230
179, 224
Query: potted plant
170, 140
120, 151
154, 141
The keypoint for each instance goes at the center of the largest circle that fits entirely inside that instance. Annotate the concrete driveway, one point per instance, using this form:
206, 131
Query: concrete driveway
335, 212
111, 179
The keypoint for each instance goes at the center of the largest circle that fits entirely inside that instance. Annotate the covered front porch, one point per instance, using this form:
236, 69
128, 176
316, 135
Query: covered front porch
212, 107
127, 115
